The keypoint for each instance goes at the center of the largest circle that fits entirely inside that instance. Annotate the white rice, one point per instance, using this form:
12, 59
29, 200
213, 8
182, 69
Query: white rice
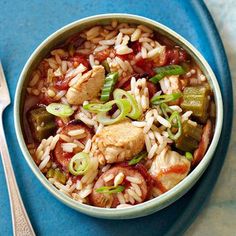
152, 151
121, 198
133, 180
137, 189
134, 195
186, 115
139, 124
108, 177
88, 146
68, 147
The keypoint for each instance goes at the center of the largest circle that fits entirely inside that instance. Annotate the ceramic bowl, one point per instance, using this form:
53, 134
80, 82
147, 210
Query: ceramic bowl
157, 203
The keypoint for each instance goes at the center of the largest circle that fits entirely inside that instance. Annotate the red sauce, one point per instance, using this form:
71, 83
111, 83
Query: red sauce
80, 59
152, 89
146, 65
62, 83
103, 55
128, 57
136, 46
177, 169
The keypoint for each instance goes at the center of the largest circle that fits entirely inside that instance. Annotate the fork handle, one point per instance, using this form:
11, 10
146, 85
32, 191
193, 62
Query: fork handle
20, 221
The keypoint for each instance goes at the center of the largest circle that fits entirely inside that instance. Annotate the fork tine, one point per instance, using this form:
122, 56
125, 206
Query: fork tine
5, 96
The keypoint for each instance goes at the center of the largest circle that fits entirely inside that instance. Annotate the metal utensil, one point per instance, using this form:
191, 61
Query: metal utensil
20, 221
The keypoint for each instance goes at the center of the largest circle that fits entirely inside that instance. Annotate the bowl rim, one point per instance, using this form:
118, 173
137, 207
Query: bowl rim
149, 206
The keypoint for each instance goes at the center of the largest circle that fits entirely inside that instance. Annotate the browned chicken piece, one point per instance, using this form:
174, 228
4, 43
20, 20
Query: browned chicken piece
118, 142
87, 87
169, 168
135, 187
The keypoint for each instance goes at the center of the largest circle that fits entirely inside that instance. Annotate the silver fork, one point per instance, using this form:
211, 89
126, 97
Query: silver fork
20, 220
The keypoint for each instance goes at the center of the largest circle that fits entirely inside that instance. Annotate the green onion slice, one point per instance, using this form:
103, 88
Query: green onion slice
110, 189
124, 107
175, 120
135, 112
98, 107
108, 86
59, 109
166, 71
79, 164
136, 159
189, 156
166, 109
156, 100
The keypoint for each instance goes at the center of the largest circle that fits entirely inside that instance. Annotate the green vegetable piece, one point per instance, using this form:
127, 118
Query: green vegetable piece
42, 123
106, 66
136, 159
60, 110
166, 71
108, 86
110, 189
79, 164
190, 137
56, 174
135, 113
195, 99
50, 173
175, 120
189, 156
156, 100
124, 107
165, 110
98, 107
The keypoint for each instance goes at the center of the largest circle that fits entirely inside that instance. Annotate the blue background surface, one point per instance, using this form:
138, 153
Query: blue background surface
24, 25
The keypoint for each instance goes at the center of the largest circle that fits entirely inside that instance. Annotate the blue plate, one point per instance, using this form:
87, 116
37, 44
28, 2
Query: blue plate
24, 25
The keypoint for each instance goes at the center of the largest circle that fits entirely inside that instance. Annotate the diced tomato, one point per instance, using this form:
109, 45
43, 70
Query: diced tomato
127, 57
123, 82
62, 83
136, 46
102, 55
80, 59
176, 56
152, 89
146, 66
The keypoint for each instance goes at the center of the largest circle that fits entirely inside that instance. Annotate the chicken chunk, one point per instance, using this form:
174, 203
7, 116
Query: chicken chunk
169, 168
118, 142
87, 87
134, 183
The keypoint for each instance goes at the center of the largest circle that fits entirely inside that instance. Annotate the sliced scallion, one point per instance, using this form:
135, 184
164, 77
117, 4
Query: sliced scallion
97, 107
124, 107
156, 100
79, 164
108, 86
135, 113
110, 189
166, 71
136, 159
60, 110
175, 120
189, 156
166, 109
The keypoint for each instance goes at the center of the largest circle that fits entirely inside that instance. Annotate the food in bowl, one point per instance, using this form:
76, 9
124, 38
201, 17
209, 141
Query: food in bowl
118, 115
